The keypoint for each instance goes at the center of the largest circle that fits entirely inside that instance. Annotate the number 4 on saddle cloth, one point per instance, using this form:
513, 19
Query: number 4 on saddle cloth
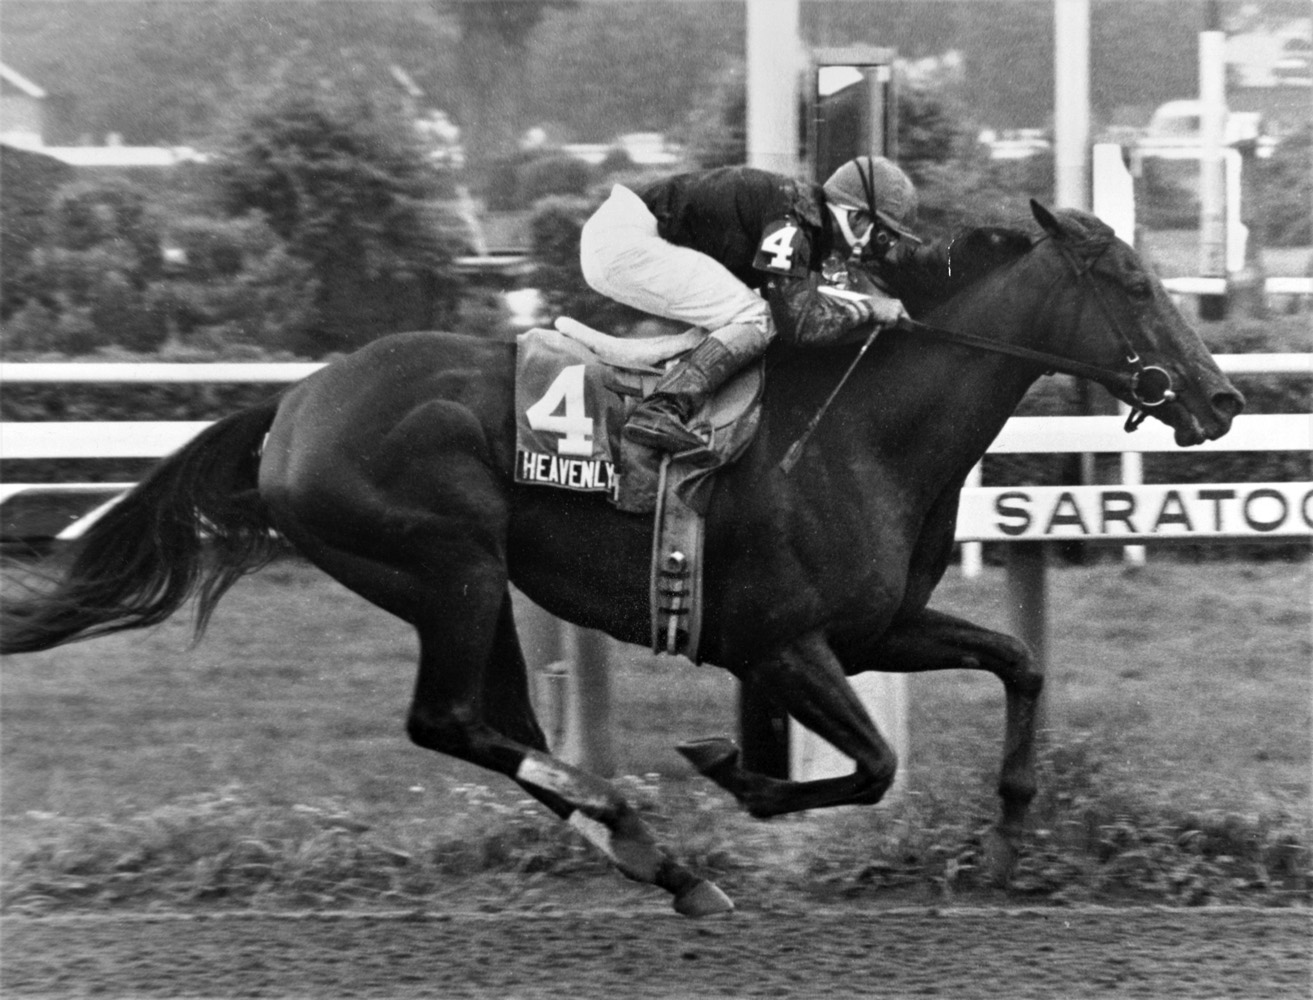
574, 389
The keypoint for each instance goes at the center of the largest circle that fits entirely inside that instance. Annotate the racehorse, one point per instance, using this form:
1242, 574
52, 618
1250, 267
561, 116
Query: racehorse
391, 470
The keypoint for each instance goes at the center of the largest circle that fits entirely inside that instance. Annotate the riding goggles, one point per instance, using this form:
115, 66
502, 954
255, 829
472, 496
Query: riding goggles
860, 231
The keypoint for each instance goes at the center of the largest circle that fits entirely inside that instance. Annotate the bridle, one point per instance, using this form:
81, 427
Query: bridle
1149, 386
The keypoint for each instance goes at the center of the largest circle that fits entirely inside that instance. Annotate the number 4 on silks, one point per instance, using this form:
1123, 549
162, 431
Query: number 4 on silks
784, 249
574, 425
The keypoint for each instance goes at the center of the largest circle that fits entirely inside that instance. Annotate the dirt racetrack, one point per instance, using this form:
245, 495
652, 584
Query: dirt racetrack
644, 952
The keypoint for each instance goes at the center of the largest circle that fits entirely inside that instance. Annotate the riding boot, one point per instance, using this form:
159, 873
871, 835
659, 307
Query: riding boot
661, 420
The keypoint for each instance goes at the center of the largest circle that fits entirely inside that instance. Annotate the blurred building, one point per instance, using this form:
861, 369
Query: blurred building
23, 107
1270, 73
33, 119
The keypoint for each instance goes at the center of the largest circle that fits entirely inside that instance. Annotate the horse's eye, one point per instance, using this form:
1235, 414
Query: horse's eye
1139, 287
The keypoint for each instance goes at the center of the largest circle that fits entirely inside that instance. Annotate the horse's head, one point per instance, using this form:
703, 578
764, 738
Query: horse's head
1115, 314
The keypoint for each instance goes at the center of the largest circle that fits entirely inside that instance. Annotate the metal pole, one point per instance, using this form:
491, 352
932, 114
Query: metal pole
973, 553
1071, 103
588, 703
773, 67
1071, 154
1113, 196
571, 686
1027, 594
1212, 180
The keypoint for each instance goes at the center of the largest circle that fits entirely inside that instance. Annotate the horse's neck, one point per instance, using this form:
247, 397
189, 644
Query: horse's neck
1006, 307
943, 404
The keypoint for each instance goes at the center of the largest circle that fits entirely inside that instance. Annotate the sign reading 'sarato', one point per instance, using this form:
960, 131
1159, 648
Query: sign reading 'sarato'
1136, 512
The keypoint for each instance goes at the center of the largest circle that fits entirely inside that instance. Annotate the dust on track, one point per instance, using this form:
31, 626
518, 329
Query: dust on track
646, 952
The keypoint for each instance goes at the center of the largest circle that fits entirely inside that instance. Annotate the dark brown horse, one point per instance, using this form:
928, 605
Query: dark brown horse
391, 471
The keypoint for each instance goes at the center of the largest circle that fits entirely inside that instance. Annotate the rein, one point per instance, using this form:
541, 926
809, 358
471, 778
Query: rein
1148, 385
1051, 362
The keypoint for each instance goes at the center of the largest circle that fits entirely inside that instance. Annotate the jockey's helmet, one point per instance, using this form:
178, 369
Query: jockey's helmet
874, 185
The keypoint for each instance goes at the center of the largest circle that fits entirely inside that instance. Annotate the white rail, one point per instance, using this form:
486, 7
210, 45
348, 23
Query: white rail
112, 373
1218, 286
153, 373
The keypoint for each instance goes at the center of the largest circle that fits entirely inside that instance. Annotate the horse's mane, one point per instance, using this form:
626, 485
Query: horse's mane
928, 276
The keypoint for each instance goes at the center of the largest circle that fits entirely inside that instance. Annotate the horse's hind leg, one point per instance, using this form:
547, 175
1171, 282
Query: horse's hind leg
806, 680
471, 697
471, 701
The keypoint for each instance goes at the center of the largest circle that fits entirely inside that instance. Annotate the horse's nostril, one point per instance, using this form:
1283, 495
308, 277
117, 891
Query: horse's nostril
1229, 403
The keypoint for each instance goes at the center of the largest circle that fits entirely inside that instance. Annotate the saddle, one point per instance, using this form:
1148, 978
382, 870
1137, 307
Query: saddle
574, 389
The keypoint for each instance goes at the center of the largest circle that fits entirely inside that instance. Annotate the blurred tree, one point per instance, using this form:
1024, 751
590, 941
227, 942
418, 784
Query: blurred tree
30, 183
959, 185
341, 176
30, 328
1283, 193
239, 285
491, 57
933, 128
162, 72
715, 132
94, 268
606, 69
555, 229
115, 213
914, 28
1140, 53
1143, 54
560, 175
1008, 48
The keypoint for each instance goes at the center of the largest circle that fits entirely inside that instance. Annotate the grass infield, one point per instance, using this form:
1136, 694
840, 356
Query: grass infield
268, 766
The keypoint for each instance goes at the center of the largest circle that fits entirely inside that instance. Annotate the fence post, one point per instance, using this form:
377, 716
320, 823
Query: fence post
1132, 463
571, 684
1027, 595
973, 553
885, 697
1212, 170
588, 740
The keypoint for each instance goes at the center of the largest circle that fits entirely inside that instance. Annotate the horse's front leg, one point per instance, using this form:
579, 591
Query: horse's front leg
808, 681
932, 640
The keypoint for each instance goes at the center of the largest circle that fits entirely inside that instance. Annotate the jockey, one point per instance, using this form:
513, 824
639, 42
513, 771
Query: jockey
699, 247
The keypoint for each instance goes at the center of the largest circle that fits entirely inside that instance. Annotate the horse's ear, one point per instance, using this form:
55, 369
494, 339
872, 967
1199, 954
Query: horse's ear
1046, 220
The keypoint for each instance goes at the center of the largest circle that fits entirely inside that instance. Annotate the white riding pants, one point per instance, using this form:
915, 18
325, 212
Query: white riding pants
623, 258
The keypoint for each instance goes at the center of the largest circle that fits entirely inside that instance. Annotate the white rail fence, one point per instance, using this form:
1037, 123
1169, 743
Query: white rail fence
574, 692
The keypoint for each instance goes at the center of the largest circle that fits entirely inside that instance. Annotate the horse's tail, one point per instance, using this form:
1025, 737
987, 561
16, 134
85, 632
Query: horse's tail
194, 526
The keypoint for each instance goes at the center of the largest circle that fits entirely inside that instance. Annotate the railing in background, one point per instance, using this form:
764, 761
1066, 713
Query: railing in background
1272, 287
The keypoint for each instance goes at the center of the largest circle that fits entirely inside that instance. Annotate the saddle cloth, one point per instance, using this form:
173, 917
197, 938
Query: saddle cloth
574, 389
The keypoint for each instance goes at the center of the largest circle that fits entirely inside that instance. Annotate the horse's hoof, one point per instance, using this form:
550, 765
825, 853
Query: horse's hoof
703, 899
710, 754
1000, 858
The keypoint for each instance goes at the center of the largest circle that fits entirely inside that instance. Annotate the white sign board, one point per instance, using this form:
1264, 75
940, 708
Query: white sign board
1192, 511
